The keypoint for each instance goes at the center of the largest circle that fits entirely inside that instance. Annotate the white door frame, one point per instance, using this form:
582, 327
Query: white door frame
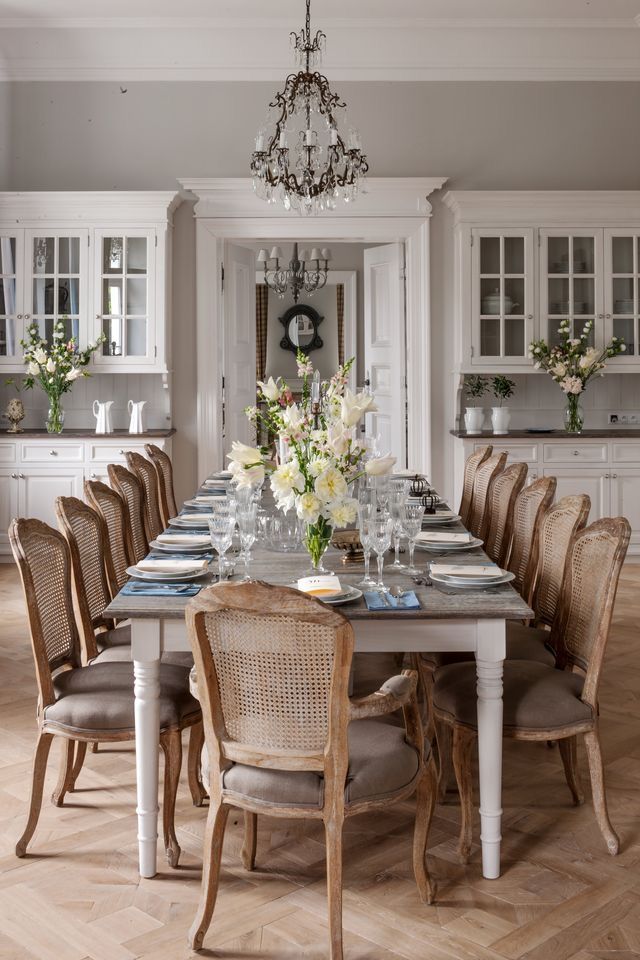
393, 209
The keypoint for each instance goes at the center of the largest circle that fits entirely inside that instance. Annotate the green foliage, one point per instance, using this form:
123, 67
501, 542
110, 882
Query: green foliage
475, 386
502, 388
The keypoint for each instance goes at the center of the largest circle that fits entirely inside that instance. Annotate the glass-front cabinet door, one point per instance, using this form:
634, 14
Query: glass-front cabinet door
571, 283
502, 296
621, 291
125, 296
11, 315
56, 282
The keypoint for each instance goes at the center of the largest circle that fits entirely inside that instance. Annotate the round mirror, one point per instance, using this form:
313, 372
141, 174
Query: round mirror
301, 324
301, 330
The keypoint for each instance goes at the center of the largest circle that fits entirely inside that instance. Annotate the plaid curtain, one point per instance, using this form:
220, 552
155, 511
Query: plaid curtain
340, 306
262, 308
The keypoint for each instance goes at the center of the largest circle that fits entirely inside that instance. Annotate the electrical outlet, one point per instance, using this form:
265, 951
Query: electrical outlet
614, 418
626, 418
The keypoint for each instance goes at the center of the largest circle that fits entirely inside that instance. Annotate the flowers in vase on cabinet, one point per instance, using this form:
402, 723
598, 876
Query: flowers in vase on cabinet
572, 362
55, 366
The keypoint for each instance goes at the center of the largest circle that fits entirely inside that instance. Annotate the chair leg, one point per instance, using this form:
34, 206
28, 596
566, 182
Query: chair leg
194, 765
443, 741
94, 747
333, 836
425, 803
43, 745
81, 752
568, 752
171, 744
596, 772
250, 840
463, 740
66, 773
213, 840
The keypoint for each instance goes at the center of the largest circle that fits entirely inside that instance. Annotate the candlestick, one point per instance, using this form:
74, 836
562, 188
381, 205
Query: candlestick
315, 388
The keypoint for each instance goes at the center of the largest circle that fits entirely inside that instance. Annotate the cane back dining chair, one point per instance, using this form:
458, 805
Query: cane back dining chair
164, 471
146, 473
111, 507
471, 465
531, 505
130, 489
480, 510
550, 702
81, 704
283, 737
504, 490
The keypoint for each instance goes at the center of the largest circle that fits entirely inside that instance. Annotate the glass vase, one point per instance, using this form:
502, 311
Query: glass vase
573, 414
317, 537
55, 416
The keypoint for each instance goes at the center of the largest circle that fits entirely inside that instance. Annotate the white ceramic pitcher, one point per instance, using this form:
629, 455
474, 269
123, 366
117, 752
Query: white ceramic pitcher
102, 413
137, 416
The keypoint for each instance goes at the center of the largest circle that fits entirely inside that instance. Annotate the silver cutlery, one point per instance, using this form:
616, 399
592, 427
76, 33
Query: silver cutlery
161, 586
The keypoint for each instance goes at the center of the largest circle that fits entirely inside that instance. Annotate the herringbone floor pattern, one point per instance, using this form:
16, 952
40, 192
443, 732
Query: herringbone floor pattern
77, 894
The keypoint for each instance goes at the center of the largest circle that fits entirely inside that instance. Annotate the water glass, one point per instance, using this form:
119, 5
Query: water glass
397, 499
379, 530
224, 507
221, 529
365, 512
247, 521
412, 515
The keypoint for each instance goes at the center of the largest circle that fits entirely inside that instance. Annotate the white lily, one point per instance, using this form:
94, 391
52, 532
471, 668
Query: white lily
330, 485
286, 479
73, 374
354, 406
270, 389
244, 455
33, 369
342, 512
51, 366
379, 466
40, 356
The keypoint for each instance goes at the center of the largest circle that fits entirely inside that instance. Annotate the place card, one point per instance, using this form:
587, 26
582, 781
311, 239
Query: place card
321, 586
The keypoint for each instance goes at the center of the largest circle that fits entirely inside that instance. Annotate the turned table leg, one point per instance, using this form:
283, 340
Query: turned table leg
490, 653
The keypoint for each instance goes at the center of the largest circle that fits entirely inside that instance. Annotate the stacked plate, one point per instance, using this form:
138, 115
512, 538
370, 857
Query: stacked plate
187, 521
182, 543
445, 542
346, 594
440, 516
475, 576
169, 571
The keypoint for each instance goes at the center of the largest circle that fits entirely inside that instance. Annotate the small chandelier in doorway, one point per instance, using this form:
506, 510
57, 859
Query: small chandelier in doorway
307, 270
303, 160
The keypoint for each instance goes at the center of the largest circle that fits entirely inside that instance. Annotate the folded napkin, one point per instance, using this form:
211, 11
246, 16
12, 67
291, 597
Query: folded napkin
434, 536
325, 586
157, 555
488, 570
188, 539
375, 601
197, 519
171, 566
139, 589
208, 498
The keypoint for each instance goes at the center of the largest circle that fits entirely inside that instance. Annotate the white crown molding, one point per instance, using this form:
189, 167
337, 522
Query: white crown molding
399, 197
328, 23
544, 207
139, 206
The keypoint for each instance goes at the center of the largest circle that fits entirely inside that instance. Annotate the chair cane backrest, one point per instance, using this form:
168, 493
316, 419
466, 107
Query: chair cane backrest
113, 511
274, 666
531, 505
85, 532
127, 485
43, 559
550, 551
582, 627
148, 477
480, 512
164, 470
471, 465
504, 490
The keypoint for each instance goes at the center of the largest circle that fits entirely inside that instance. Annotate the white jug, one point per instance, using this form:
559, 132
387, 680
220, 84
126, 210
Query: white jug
102, 413
136, 412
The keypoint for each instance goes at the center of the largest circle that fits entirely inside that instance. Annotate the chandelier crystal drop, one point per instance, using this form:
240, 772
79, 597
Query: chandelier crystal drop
307, 270
306, 156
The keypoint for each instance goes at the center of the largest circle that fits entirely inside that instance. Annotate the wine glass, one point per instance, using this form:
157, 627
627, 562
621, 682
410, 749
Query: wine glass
365, 512
380, 529
247, 527
412, 515
397, 499
221, 529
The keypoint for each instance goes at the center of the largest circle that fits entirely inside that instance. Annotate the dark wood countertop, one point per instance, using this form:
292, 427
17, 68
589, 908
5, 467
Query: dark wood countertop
85, 433
611, 433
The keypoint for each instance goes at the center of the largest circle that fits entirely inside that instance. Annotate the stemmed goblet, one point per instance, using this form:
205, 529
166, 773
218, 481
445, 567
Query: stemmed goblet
411, 521
365, 512
379, 529
221, 529
247, 518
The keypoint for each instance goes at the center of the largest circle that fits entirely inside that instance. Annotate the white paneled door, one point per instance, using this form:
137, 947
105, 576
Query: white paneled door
239, 306
384, 346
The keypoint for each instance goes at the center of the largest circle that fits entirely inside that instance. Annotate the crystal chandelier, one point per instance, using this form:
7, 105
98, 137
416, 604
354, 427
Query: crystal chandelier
307, 271
301, 157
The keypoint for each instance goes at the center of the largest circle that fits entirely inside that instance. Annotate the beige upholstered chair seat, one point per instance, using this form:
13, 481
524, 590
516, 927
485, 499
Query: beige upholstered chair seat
100, 697
120, 637
381, 763
523, 643
536, 697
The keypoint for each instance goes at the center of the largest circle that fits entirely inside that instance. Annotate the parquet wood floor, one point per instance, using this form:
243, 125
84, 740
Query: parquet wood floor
78, 896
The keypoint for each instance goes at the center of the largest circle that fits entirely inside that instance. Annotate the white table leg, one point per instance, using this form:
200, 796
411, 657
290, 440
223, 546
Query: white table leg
490, 654
145, 642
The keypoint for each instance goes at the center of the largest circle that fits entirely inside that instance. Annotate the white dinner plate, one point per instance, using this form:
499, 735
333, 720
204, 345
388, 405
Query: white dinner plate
180, 547
443, 547
433, 518
189, 521
199, 504
479, 583
346, 595
165, 577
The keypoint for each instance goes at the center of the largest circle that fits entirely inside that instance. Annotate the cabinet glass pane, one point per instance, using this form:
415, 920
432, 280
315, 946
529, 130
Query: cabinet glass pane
112, 254
514, 338
514, 254
43, 295
7, 255
46, 325
112, 329
44, 256
7, 337
490, 338
490, 301
136, 336
554, 334
577, 329
69, 255
583, 296
137, 295
68, 295
514, 295
583, 255
625, 327
136, 254
623, 300
489, 254
112, 296
622, 254
558, 255
8, 295
558, 295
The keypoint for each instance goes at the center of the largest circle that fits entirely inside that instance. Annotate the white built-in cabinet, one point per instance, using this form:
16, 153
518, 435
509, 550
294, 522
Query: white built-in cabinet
525, 261
101, 261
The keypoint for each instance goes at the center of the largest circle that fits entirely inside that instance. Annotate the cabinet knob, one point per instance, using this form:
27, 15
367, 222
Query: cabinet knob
121, 452
27, 316
98, 315
529, 316
576, 453
601, 316
21, 476
53, 453
19, 316
608, 316
606, 476
92, 475
614, 476
14, 476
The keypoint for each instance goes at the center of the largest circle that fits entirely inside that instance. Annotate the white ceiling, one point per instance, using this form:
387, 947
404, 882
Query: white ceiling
366, 39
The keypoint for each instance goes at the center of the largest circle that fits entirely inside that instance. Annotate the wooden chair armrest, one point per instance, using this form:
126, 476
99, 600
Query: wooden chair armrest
392, 695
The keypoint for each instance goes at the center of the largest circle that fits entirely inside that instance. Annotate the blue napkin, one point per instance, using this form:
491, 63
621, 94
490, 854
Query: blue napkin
160, 590
375, 601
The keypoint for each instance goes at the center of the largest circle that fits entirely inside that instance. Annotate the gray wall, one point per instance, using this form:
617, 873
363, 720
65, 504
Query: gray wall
86, 136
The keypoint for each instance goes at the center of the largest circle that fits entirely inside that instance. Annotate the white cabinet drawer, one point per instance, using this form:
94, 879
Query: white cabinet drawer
625, 451
516, 452
8, 452
51, 451
112, 451
568, 452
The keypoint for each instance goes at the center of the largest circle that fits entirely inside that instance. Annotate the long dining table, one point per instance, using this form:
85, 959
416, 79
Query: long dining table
452, 621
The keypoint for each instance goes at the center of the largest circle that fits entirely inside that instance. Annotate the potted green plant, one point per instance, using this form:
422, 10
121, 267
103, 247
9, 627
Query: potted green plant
502, 388
475, 387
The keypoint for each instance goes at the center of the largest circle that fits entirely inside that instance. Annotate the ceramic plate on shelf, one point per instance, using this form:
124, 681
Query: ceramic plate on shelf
166, 577
443, 546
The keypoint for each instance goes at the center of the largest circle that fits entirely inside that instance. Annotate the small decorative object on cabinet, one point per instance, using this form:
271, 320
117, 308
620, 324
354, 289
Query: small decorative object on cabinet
15, 408
474, 387
572, 363
102, 413
502, 388
137, 416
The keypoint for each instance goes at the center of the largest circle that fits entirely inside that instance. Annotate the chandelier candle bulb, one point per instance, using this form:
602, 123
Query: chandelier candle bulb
315, 387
